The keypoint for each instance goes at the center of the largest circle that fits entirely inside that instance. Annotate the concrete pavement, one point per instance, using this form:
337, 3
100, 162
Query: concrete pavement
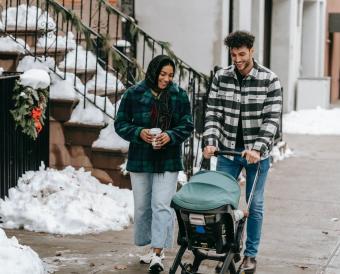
301, 232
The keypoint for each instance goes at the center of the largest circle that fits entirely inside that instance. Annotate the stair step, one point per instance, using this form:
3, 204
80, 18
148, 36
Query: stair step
9, 60
107, 158
119, 180
83, 75
111, 94
30, 36
61, 109
58, 54
81, 134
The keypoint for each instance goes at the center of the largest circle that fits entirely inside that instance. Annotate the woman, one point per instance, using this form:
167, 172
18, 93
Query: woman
156, 102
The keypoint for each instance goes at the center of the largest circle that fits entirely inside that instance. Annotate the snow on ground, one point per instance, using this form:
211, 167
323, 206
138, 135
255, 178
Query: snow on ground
65, 202
8, 44
317, 121
18, 259
51, 41
22, 16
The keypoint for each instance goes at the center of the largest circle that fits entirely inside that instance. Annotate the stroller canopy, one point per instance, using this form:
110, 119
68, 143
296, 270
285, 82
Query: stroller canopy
208, 190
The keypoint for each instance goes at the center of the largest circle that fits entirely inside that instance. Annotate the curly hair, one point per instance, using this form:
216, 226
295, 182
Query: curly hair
238, 39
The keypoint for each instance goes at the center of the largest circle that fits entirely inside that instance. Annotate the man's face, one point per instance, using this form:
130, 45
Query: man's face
242, 58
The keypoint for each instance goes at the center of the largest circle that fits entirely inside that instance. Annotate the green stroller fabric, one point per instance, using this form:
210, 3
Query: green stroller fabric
208, 190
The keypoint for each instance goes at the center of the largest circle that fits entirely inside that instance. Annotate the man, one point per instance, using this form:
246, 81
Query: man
243, 114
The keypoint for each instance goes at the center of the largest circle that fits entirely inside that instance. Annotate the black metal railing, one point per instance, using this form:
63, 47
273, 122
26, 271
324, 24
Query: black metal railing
106, 49
19, 153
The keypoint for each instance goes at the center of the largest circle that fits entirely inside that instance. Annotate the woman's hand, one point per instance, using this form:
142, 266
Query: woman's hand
146, 136
162, 139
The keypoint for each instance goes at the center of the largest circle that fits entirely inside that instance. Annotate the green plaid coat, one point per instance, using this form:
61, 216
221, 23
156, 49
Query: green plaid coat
134, 114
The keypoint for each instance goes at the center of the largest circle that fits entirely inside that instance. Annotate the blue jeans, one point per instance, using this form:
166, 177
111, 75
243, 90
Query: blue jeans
254, 222
154, 218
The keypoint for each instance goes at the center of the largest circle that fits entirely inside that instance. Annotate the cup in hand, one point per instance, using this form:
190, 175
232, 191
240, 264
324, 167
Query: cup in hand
155, 132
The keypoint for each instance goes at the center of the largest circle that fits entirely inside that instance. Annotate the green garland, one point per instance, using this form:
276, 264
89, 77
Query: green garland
29, 109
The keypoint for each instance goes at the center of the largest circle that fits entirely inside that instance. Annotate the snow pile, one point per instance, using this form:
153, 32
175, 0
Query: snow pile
29, 62
109, 139
35, 78
18, 259
317, 121
1, 71
123, 43
63, 88
91, 115
51, 41
8, 44
79, 57
105, 81
23, 16
65, 202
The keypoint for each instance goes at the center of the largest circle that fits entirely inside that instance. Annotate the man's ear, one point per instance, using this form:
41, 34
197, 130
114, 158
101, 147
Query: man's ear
252, 50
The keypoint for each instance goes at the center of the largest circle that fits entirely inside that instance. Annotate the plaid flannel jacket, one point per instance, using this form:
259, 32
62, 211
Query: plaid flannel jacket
134, 114
258, 97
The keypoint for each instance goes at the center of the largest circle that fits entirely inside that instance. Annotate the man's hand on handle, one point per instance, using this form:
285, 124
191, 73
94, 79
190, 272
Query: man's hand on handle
252, 156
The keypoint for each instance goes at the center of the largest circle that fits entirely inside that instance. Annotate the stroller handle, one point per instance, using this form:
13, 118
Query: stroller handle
227, 152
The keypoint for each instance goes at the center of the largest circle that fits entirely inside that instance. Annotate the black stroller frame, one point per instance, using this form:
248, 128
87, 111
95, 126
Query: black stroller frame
227, 243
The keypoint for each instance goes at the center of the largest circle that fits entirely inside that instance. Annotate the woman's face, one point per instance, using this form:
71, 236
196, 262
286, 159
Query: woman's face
165, 76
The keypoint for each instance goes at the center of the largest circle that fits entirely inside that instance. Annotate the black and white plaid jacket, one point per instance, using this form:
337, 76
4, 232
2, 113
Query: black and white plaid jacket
258, 97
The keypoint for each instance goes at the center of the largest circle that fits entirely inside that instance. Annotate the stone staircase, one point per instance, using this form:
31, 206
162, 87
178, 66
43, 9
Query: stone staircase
71, 143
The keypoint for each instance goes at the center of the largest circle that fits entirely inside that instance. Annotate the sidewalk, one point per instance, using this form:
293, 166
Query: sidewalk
300, 233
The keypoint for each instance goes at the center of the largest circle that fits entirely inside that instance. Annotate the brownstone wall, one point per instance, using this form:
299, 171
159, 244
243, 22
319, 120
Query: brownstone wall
332, 54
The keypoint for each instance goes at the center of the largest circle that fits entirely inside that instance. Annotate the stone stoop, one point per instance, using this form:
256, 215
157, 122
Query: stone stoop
61, 109
30, 36
63, 155
83, 74
110, 160
70, 143
9, 60
58, 54
81, 134
111, 94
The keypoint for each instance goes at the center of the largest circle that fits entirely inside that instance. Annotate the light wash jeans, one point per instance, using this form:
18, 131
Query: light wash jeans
255, 219
154, 218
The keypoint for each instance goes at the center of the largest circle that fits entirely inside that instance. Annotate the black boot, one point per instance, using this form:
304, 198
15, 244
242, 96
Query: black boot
248, 266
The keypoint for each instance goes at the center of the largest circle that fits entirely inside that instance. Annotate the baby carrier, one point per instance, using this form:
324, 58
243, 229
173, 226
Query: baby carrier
206, 224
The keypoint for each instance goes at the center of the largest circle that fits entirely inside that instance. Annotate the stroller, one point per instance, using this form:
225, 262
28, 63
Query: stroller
206, 224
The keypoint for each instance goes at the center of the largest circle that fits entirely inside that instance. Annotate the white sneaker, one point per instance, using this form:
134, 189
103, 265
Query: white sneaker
156, 264
146, 259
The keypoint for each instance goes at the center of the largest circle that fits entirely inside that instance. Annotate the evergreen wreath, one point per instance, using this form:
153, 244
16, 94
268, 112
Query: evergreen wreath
29, 109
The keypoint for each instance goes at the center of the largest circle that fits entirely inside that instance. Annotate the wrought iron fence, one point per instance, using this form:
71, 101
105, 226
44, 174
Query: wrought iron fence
105, 48
19, 153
